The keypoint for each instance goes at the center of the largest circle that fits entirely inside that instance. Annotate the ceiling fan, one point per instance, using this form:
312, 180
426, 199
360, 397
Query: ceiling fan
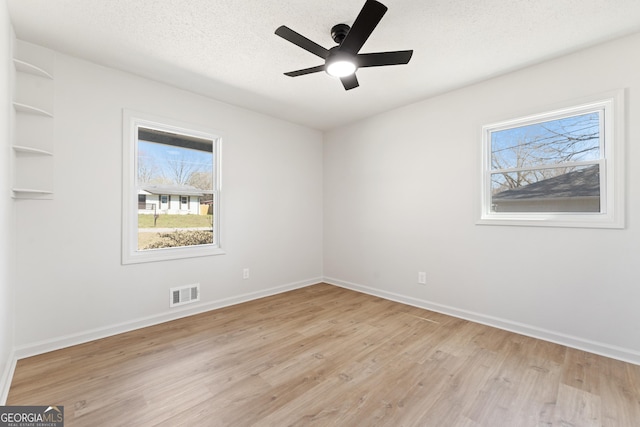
343, 60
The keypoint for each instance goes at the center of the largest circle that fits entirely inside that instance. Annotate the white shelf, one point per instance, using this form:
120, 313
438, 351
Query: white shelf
26, 67
24, 108
31, 150
31, 193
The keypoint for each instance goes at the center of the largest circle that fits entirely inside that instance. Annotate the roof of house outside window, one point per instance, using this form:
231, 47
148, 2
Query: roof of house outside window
180, 190
578, 183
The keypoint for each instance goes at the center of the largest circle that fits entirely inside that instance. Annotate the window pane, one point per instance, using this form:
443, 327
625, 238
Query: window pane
569, 139
567, 189
175, 179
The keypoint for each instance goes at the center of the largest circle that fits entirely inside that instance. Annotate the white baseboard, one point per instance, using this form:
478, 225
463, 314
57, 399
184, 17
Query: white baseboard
5, 378
614, 352
94, 334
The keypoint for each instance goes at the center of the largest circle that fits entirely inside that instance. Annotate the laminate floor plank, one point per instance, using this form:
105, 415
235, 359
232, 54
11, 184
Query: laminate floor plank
328, 356
577, 407
619, 395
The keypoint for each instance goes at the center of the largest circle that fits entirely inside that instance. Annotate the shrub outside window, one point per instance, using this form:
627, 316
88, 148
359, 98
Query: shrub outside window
558, 168
172, 171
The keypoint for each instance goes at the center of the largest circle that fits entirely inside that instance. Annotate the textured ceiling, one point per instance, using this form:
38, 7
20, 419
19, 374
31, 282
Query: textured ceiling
226, 49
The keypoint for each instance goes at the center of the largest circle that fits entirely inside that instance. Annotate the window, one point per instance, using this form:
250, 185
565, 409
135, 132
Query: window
170, 169
559, 168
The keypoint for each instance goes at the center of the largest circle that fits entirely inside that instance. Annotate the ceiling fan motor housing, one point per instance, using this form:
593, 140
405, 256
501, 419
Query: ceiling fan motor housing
339, 32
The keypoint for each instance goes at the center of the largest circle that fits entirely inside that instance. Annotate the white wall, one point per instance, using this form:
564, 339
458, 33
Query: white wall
6, 205
401, 195
71, 285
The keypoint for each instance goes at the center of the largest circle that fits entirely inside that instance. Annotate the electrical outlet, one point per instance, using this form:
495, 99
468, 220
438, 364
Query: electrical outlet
422, 278
245, 273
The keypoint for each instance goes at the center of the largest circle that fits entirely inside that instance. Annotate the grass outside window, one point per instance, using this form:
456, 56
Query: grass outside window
175, 221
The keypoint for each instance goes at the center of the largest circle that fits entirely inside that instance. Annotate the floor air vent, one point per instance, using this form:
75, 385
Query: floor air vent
184, 295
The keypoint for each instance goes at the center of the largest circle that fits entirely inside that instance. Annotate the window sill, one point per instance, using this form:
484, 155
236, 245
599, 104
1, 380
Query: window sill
167, 254
595, 220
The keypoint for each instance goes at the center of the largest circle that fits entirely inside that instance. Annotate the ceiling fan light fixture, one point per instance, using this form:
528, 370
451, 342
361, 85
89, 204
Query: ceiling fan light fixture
341, 68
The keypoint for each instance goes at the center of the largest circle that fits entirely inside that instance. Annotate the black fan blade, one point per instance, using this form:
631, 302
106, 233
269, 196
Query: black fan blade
368, 18
383, 58
300, 40
349, 82
305, 71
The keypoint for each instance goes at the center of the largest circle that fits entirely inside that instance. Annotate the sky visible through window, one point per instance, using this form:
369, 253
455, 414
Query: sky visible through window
167, 164
570, 139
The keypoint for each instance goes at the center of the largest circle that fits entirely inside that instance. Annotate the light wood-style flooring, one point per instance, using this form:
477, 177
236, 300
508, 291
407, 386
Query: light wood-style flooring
327, 356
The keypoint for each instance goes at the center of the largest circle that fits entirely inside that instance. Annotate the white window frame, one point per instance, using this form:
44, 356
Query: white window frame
611, 163
132, 120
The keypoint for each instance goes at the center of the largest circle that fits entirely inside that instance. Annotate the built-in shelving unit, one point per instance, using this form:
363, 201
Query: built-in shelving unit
33, 155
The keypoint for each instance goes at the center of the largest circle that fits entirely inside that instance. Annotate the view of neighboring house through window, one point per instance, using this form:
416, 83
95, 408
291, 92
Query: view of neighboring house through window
175, 181
557, 166
172, 165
